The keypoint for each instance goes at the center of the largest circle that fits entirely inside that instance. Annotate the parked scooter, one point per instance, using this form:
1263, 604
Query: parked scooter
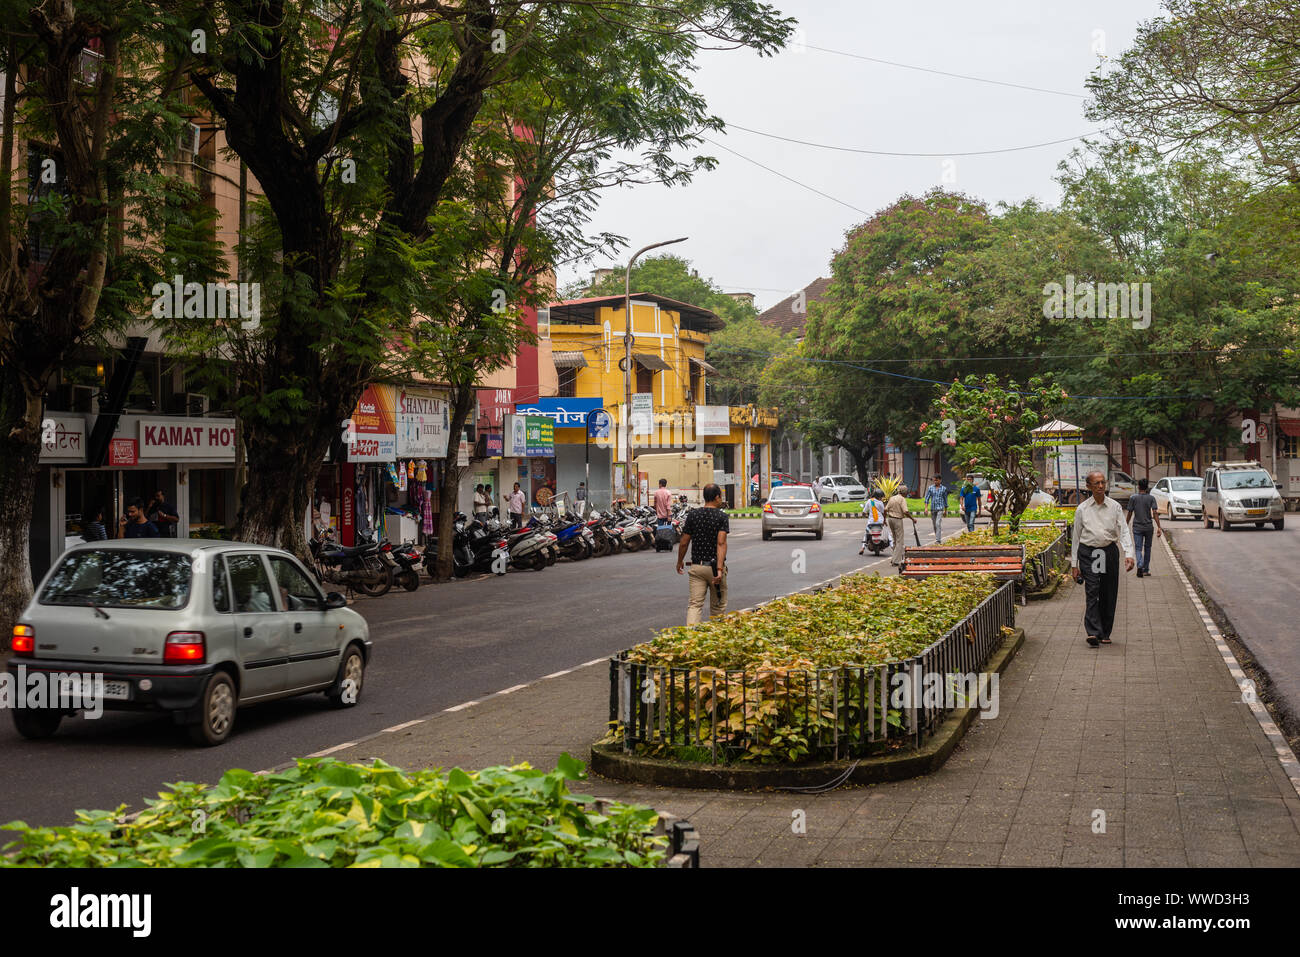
408, 561
362, 566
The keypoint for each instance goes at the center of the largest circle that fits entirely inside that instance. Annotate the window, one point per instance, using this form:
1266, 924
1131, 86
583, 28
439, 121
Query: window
220, 587
1288, 446
120, 578
1213, 451
645, 380
1164, 456
250, 583
568, 383
296, 589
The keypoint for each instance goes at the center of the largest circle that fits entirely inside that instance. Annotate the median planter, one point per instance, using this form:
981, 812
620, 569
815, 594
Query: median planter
865, 669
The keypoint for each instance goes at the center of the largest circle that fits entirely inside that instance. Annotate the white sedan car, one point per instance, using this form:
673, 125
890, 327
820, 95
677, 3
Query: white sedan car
1179, 496
842, 488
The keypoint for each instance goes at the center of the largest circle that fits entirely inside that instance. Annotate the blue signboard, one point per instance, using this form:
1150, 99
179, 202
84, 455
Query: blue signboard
566, 413
598, 424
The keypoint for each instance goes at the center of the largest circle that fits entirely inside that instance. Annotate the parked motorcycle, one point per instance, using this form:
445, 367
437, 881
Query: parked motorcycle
408, 560
362, 566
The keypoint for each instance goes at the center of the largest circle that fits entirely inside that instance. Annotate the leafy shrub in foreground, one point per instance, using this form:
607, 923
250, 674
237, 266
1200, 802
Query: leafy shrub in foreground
324, 813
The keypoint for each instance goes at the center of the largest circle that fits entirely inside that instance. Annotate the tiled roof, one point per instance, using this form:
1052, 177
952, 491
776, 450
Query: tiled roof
783, 317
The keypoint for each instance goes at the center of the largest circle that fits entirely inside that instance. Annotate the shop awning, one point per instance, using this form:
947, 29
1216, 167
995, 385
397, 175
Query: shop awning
569, 360
701, 364
1289, 426
651, 362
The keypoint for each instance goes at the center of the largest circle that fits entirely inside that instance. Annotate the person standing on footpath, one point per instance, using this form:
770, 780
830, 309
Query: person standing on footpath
1142, 513
1099, 529
895, 512
936, 496
970, 502
515, 505
705, 532
480, 502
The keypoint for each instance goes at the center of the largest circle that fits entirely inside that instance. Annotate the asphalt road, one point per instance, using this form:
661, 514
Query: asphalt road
1251, 573
435, 648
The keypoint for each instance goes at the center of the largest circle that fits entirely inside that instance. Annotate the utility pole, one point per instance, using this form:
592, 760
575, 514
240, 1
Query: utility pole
630, 477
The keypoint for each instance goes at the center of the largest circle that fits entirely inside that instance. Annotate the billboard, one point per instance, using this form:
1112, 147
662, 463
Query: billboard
422, 423
712, 420
374, 425
570, 413
540, 436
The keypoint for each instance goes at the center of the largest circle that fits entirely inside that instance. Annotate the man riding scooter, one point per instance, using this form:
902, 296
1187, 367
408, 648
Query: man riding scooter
876, 536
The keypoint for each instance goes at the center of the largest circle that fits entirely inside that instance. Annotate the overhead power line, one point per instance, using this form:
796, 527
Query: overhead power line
958, 76
790, 179
850, 149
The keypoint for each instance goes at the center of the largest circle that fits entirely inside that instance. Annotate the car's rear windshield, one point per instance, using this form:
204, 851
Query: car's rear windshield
792, 492
1186, 485
1245, 480
120, 578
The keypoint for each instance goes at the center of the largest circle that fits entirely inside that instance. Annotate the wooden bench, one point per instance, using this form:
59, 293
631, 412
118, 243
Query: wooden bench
1004, 562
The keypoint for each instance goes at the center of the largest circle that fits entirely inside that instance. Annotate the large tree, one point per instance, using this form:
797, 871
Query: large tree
73, 269
353, 129
1212, 74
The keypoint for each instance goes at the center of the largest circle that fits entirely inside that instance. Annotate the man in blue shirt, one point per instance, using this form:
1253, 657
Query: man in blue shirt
970, 502
134, 524
936, 497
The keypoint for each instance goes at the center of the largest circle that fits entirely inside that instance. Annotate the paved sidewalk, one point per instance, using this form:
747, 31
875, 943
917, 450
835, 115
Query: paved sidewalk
1149, 737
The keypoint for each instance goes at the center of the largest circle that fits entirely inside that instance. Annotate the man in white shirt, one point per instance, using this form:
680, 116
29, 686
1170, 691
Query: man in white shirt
515, 505
1099, 530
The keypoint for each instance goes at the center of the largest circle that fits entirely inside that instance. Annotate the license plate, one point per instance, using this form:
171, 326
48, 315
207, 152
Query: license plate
83, 686
1256, 511
790, 511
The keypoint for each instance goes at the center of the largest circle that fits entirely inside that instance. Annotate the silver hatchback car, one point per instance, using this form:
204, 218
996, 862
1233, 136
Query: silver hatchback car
193, 627
791, 508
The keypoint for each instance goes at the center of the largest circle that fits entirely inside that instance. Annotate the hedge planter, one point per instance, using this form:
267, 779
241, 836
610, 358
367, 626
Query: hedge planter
867, 668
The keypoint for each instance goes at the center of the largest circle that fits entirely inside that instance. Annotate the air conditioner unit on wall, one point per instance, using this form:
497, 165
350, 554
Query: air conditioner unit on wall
187, 141
189, 403
81, 398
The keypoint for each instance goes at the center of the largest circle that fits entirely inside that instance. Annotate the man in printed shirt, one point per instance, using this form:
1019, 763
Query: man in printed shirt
705, 533
1099, 530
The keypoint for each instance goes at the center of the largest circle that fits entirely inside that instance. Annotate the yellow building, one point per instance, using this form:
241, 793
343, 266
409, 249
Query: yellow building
668, 365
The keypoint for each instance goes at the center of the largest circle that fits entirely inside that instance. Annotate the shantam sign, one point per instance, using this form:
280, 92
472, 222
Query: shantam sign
180, 438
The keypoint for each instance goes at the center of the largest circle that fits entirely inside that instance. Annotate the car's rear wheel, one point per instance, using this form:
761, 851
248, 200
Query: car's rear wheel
216, 711
347, 686
767, 536
36, 723
819, 534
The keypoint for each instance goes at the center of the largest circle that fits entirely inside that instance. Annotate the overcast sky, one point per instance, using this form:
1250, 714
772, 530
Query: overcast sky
750, 230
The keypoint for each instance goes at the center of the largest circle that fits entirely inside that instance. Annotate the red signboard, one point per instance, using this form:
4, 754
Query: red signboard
492, 405
122, 452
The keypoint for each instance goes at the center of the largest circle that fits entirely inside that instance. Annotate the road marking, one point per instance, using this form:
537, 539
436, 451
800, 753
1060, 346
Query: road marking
1286, 757
461, 707
402, 726
512, 689
337, 747
556, 674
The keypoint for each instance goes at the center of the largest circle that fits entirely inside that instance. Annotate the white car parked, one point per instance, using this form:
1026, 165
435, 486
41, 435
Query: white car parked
1179, 496
842, 488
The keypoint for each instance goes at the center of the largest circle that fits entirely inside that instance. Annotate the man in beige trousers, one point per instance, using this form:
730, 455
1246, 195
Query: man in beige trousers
705, 531
895, 512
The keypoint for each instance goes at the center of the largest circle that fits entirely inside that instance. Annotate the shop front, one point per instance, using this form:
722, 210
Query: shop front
562, 465
191, 460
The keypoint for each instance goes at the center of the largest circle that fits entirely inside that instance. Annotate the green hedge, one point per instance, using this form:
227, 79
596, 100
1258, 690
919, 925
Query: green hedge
324, 813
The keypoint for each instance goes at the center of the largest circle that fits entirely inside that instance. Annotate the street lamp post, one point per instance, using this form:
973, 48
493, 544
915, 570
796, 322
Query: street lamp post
628, 477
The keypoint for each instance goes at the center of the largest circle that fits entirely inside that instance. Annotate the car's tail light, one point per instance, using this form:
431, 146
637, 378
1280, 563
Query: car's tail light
767, 506
24, 641
815, 507
185, 648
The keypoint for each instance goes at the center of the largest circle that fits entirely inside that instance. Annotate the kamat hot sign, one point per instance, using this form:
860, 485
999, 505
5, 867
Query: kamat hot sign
174, 439
374, 426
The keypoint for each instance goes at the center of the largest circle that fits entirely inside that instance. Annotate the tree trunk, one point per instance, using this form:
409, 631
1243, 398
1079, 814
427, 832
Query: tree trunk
462, 400
282, 470
20, 451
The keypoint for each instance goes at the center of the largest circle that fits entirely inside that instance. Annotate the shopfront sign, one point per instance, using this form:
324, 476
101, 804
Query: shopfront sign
566, 413
540, 436
374, 426
422, 423
643, 413
712, 420
752, 416
495, 444
122, 452
186, 439
493, 406
63, 439
516, 436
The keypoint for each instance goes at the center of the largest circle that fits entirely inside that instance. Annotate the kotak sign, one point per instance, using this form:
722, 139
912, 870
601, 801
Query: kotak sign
209, 440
